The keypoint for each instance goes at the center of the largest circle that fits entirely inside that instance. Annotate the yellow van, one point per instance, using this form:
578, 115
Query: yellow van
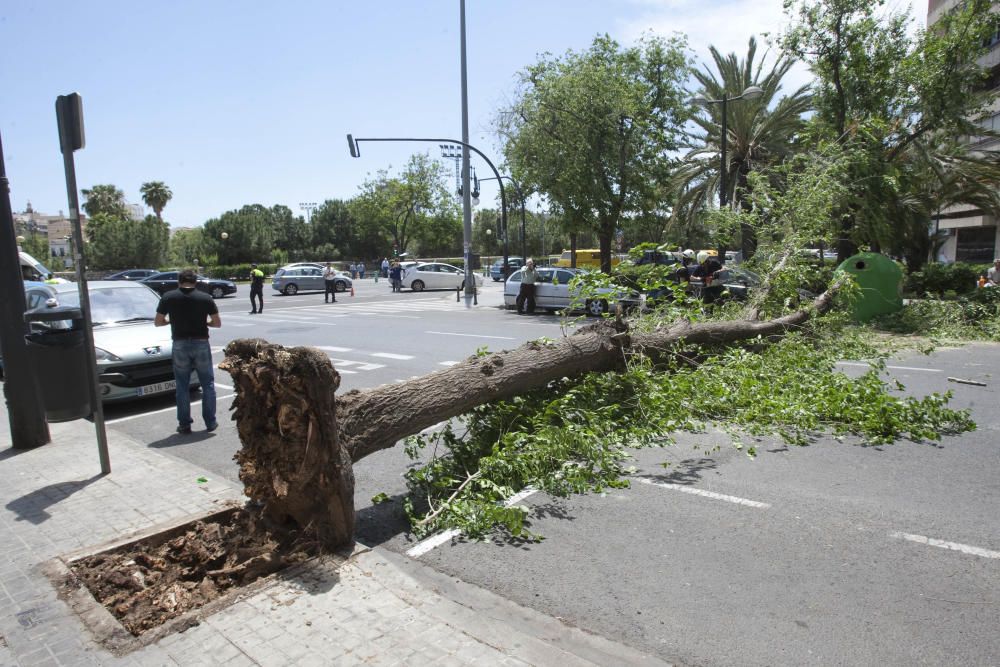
585, 259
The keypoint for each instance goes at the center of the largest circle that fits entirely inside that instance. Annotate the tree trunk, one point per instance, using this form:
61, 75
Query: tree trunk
299, 444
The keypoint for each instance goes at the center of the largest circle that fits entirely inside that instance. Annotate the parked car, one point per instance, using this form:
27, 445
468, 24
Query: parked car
132, 274
736, 282
296, 278
32, 269
133, 355
162, 283
552, 292
513, 264
434, 275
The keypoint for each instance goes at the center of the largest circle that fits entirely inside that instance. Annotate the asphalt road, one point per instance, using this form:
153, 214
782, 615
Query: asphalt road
831, 554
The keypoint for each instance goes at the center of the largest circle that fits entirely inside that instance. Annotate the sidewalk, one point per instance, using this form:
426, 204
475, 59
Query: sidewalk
374, 608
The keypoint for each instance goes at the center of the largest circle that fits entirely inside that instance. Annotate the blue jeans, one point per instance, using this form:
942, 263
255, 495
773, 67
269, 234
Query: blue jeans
194, 355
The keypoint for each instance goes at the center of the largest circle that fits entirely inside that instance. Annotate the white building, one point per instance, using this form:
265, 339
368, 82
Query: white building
973, 236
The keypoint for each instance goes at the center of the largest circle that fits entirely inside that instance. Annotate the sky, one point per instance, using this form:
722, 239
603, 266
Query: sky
232, 103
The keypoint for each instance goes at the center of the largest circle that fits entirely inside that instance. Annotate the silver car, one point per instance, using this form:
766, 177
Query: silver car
133, 355
296, 278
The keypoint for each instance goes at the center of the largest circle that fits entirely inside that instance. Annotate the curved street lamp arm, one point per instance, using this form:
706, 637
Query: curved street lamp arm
353, 144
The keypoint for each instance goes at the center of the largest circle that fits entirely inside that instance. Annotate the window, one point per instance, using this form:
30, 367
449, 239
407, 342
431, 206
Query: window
975, 244
565, 277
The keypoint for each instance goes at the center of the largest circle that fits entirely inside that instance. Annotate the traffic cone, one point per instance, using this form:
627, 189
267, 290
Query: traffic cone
352, 290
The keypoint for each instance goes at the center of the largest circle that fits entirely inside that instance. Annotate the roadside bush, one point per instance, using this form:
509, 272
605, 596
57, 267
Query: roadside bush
972, 317
938, 280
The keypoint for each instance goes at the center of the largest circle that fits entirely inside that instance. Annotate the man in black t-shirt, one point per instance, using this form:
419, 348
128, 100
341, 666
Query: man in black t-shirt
190, 313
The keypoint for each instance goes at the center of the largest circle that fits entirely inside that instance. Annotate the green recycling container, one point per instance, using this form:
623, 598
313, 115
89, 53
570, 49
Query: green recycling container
880, 280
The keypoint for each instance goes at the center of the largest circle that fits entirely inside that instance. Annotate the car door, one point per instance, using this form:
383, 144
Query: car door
560, 288
451, 277
430, 274
545, 291
312, 278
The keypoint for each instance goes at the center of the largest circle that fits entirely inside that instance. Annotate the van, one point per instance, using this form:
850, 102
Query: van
585, 259
32, 269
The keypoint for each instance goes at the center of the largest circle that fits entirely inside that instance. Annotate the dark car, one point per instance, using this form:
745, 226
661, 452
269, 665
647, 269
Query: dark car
132, 274
166, 281
513, 264
736, 284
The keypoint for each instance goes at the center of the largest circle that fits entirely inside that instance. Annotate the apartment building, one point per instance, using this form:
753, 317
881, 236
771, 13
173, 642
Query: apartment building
973, 236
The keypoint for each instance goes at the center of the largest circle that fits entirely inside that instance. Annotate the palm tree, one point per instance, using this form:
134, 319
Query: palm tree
156, 195
760, 132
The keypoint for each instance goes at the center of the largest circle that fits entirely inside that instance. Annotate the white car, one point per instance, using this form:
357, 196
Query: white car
552, 292
434, 275
134, 357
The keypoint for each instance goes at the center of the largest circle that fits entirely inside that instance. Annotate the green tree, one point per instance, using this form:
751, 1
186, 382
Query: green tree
106, 199
760, 132
185, 247
244, 235
333, 227
291, 233
890, 95
592, 130
156, 195
397, 211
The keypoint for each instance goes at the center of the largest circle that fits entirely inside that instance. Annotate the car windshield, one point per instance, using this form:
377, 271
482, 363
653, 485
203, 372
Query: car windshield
113, 305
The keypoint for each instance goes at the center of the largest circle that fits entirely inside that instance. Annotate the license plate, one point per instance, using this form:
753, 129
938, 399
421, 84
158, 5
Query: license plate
158, 388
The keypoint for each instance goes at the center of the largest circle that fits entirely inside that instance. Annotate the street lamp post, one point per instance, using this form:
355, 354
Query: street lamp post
520, 196
750, 93
308, 208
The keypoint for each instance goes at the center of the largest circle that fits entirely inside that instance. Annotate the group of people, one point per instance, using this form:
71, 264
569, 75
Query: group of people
704, 267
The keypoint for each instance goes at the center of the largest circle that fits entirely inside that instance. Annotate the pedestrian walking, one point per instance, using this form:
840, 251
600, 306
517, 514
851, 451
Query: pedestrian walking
354, 271
190, 313
361, 270
330, 282
396, 277
256, 290
385, 267
529, 276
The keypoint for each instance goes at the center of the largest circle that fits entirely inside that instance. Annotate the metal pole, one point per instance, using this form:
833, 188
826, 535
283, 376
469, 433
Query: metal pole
96, 404
28, 428
466, 192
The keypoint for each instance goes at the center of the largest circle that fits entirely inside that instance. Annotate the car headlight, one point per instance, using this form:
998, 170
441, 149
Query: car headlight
104, 355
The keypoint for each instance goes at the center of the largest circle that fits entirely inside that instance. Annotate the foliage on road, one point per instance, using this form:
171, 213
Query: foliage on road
576, 436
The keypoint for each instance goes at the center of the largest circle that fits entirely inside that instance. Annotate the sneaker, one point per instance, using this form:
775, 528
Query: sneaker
252, 312
209, 427
184, 430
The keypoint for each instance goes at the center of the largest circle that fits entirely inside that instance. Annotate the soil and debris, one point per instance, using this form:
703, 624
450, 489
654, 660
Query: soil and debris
145, 584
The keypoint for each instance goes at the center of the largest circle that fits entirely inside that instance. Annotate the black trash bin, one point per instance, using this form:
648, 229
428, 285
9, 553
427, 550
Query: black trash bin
58, 354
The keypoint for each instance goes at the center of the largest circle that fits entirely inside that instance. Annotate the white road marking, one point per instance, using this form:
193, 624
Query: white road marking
358, 365
446, 363
156, 412
332, 348
895, 368
953, 546
422, 547
707, 494
390, 355
449, 333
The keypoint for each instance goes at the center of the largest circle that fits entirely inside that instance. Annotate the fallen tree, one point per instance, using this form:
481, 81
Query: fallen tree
299, 442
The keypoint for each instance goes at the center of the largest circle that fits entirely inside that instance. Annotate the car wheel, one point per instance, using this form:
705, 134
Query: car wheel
291, 289
597, 307
417, 286
340, 286
217, 293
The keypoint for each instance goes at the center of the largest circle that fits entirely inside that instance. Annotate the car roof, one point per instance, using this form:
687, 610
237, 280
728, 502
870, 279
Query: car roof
60, 288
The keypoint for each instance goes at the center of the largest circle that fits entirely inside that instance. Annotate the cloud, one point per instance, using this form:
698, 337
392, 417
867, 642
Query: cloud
726, 25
